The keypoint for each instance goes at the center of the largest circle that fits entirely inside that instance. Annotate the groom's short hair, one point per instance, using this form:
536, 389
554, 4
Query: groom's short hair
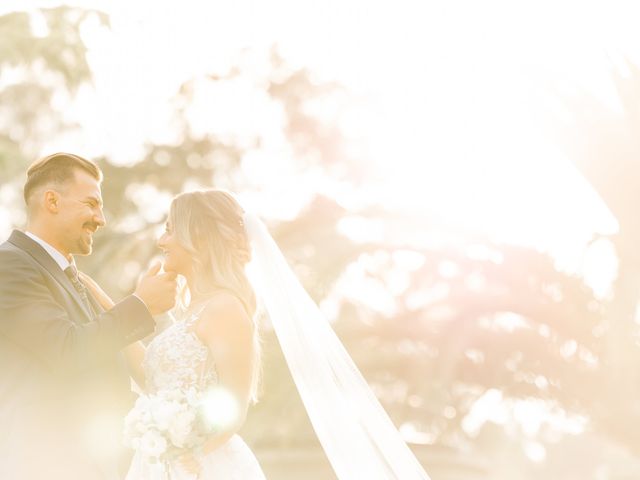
58, 168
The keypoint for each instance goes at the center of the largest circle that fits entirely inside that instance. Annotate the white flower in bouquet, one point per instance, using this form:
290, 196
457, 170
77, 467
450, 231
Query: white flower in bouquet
181, 427
163, 411
141, 427
152, 444
193, 397
176, 395
134, 427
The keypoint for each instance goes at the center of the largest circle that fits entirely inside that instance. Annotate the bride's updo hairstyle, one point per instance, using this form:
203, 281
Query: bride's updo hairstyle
209, 225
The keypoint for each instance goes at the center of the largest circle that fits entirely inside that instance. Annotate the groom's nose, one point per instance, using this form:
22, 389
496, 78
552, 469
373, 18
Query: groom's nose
99, 218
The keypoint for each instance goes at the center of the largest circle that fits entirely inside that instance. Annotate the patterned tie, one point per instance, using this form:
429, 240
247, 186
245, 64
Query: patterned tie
72, 273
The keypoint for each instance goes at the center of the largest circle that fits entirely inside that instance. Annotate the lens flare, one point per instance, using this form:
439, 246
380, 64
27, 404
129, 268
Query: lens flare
220, 408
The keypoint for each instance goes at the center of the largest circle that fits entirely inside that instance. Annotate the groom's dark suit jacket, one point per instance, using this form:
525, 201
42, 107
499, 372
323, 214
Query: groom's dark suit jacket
64, 387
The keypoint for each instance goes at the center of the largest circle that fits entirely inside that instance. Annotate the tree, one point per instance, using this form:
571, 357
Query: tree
43, 63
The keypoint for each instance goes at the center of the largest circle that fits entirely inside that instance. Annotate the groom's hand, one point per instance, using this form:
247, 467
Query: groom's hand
157, 290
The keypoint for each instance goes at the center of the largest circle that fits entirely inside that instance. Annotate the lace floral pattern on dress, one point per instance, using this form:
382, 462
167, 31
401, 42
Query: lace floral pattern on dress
177, 358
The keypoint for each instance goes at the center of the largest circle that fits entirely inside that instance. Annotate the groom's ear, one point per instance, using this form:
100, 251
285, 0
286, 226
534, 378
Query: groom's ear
51, 201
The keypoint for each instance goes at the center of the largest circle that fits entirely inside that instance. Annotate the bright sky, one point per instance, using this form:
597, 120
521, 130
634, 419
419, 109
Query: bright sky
446, 98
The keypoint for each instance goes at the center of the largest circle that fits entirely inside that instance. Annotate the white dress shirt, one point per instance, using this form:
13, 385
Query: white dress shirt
59, 258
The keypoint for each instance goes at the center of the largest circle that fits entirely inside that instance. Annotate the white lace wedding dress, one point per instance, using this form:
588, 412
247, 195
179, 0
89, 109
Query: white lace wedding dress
177, 358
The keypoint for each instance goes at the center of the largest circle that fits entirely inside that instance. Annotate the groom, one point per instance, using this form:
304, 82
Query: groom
64, 388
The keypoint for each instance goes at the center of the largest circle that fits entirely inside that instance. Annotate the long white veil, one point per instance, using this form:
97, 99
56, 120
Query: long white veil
358, 437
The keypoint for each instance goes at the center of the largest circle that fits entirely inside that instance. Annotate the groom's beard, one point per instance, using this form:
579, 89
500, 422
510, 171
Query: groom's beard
84, 242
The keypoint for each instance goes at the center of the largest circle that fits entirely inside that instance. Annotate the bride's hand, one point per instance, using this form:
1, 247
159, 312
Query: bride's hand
97, 292
190, 464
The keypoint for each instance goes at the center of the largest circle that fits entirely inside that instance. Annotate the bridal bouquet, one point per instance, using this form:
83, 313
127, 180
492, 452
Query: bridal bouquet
161, 426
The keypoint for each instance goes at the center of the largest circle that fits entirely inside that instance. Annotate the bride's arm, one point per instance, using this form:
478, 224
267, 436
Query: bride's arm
226, 328
134, 352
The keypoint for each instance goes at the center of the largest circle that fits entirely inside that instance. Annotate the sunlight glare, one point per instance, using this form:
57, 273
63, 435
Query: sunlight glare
220, 407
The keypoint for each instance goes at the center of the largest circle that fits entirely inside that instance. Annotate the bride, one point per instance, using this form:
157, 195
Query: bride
228, 258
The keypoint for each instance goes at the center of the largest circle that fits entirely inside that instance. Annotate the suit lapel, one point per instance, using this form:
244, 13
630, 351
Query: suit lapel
41, 256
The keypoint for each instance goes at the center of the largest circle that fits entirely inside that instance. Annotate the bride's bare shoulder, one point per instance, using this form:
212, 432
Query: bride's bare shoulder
224, 314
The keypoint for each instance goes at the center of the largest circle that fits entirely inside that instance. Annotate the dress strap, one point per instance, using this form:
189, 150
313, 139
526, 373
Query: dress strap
193, 316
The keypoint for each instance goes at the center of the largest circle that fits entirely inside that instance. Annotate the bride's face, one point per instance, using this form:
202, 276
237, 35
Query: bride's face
176, 258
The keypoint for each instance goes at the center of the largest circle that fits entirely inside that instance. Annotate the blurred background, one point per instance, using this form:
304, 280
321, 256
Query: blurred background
455, 182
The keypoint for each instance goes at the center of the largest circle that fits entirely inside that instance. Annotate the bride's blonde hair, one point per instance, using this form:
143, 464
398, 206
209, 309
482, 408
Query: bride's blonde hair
209, 225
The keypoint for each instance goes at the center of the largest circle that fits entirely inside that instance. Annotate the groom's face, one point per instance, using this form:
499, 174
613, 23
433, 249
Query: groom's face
80, 214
